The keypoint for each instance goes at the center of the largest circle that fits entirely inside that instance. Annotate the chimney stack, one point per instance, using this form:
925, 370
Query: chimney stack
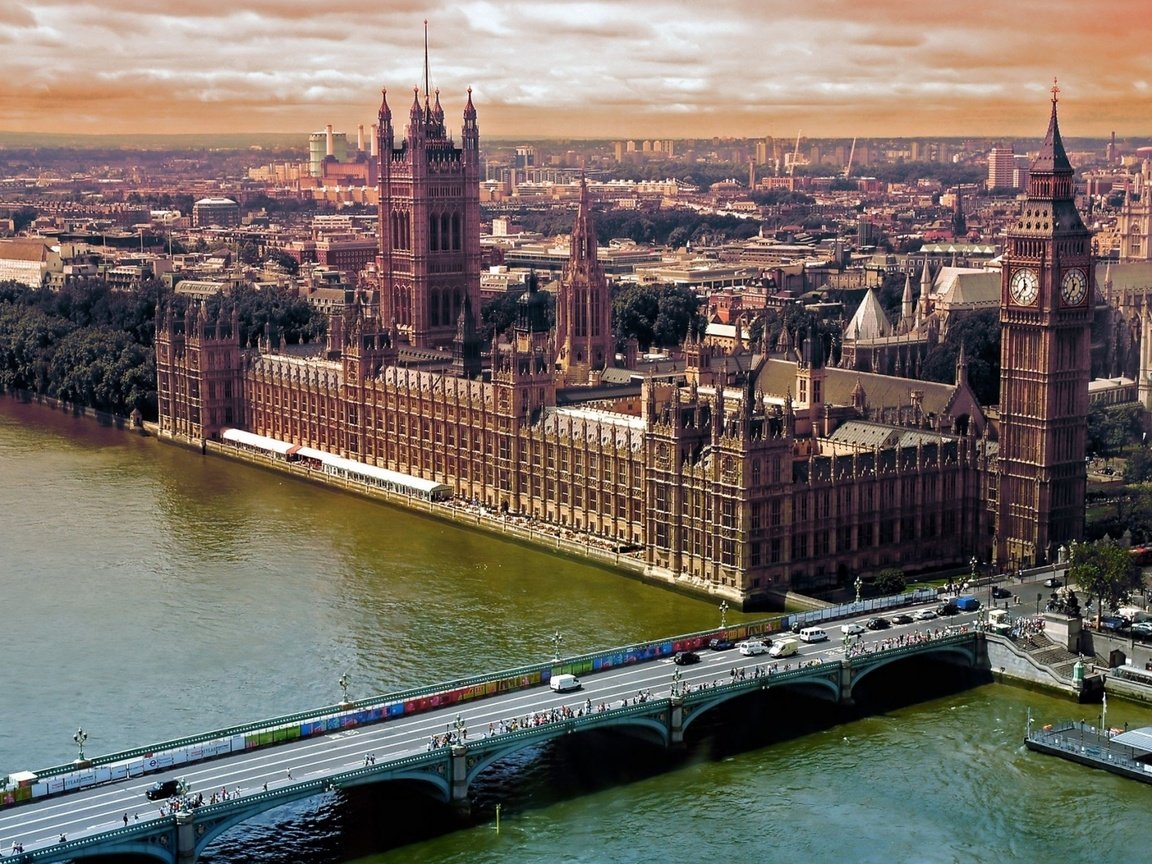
360, 138
330, 147
375, 143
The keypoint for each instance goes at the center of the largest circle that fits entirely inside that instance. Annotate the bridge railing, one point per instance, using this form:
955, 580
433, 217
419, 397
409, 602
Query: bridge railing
25, 786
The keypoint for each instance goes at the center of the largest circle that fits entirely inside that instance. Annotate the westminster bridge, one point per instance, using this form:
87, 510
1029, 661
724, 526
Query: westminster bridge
440, 737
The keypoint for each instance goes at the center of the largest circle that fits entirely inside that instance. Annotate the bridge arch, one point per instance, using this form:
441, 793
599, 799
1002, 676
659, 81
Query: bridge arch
141, 847
824, 686
651, 728
964, 650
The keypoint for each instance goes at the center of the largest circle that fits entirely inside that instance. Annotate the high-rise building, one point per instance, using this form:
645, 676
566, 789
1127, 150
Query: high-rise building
1046, 304
1001, 168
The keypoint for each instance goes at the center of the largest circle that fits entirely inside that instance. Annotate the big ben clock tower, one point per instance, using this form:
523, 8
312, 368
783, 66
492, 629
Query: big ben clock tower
1045, 319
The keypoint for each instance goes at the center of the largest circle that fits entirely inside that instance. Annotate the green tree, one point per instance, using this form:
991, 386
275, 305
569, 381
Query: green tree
890, 581
1139, 466
656, 314
1105, 570
1111, 427
979, 333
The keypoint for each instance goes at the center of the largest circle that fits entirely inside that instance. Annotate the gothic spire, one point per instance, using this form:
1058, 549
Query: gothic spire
1052, 158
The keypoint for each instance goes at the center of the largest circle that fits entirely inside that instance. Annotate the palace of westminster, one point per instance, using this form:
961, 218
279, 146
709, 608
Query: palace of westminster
742, 475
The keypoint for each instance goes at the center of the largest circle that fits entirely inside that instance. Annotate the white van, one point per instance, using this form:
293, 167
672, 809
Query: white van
564, 683
784, 648
751, 647
1133, 613
813, 634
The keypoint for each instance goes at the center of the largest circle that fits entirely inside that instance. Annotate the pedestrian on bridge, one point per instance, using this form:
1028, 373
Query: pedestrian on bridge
125, 820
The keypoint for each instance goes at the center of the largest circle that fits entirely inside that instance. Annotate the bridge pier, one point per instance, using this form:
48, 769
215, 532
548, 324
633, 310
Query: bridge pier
458, 778
185, 838
676, 722
846, 683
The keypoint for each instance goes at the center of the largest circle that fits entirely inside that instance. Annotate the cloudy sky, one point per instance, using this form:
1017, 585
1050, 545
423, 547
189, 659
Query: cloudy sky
581, 68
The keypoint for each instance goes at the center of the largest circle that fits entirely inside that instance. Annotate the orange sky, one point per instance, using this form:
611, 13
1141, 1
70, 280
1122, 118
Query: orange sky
601, 68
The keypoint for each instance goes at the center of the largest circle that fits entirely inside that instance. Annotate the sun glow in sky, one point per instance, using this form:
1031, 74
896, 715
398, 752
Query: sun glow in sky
581, 68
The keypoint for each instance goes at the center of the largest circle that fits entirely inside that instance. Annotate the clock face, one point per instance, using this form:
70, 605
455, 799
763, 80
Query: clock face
1025, 286
1073, 287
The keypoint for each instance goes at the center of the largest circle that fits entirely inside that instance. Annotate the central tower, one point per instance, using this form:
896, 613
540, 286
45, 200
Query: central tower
1046, 300
583, 305
429, 259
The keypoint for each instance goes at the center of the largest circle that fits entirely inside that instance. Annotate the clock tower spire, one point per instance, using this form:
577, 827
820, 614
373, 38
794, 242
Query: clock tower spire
1045, 320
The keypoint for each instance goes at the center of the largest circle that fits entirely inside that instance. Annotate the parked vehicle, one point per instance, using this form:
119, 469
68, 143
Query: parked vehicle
1113, 622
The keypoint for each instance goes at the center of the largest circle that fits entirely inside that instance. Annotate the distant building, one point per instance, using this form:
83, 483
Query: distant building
215, 211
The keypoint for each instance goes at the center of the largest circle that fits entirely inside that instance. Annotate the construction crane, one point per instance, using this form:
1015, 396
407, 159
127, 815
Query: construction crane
851, 153
795, 155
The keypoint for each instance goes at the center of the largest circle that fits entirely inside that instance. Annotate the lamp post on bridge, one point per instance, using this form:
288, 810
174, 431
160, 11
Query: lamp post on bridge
723, 614
973, 565
461, 729
556, 640
677, 685
858, 584
80, 737
343, 682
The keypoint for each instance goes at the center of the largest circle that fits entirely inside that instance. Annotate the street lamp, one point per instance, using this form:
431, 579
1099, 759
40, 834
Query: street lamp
80, 737
859, 583
343, 682
1039, 597
973, 564
723, 613
461, 729
676, 676
556, 640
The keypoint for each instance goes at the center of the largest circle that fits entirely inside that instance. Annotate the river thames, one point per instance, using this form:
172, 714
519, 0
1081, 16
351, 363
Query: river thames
148, 592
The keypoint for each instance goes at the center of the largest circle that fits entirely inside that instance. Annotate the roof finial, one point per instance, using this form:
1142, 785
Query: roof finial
1055, 89
427, 88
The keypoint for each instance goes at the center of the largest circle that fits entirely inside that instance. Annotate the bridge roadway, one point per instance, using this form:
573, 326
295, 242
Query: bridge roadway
290, 771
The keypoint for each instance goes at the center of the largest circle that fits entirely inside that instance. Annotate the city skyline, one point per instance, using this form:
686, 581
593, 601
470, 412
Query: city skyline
595, 69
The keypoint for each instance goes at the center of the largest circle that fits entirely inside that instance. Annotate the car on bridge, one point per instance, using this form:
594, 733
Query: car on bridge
949, 608
852, 628
163, 790
878, 623
686, 658
721, 643
902, 618
751, 647
923, 615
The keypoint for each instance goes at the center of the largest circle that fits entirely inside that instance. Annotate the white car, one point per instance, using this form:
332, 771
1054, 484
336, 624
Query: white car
853, 628
751, 647
924, 615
